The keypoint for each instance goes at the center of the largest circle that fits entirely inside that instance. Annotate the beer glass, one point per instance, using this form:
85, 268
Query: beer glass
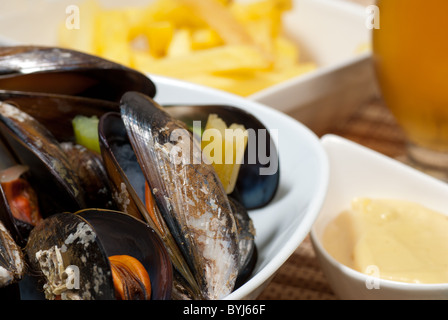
410, 50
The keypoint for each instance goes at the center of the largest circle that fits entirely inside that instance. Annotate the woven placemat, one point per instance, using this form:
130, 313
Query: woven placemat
301, 278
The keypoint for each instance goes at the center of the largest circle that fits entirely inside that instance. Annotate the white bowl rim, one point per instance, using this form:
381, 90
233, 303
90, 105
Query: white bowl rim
303, 78
357, 275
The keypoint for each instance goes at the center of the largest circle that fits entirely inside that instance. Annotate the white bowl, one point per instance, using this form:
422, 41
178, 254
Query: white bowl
328, 32
356, 171
286, 221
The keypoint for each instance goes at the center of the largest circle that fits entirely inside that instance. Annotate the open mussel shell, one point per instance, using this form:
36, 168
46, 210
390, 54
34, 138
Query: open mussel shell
259, 174
128, 185
193, 208
34, 146
86, 239
127, 180
55, 114
55, 111
18, 230
68, 72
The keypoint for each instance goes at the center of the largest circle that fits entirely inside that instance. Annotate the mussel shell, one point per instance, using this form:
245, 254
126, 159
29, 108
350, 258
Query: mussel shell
253, 190
89, 167
55, 111
36, 147
122, 234
40, 150
191, 199
65, 71
54, 232
246, 241
128, 185
12, 263
127, 180
18, 231
109, 233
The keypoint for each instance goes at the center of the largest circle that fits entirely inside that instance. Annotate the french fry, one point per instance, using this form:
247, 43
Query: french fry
231, 45
205, 38
246, 83
180, 44
219, 59
159, 35
175, 11
220, 19
111, 26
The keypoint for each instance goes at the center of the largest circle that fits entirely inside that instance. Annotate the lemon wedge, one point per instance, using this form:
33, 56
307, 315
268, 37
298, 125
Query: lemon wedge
224, 146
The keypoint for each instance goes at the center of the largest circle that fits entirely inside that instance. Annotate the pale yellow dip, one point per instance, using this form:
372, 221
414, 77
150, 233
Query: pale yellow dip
400, 240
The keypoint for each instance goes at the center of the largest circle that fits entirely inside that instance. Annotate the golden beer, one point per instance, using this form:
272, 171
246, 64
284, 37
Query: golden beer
411, 59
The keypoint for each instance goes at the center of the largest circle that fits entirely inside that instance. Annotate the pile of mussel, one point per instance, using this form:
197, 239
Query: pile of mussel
125, 223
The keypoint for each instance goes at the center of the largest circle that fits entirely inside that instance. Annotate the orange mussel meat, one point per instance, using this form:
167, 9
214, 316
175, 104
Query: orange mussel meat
131, 280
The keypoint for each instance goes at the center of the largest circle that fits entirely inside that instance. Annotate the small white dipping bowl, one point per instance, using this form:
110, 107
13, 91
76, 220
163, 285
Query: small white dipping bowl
356, 171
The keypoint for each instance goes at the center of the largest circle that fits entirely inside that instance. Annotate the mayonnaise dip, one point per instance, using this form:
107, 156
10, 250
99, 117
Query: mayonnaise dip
402, 240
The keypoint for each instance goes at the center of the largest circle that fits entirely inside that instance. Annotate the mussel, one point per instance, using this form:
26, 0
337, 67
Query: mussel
19, 204
174, 223
74, 253
42, 89
56, 111
74, 177
36, 147
68, 72
192, 213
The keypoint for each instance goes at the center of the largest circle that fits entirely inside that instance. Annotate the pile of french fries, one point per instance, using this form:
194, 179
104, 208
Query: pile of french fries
234, 46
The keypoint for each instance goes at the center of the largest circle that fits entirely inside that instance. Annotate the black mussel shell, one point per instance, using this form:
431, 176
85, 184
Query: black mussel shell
246, 241
12, 263
19, 230
56, 112
87, 238
122, 234
32, 141
69, 72
128, 185
33, 145
127, 180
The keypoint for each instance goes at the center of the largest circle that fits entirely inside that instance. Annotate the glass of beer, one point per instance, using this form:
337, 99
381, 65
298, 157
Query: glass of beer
410, 50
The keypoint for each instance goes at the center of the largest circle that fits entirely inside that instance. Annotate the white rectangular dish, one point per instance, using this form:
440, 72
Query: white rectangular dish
329, 32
